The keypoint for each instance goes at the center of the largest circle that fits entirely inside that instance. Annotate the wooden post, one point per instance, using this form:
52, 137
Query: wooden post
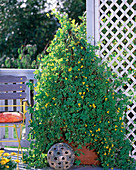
90, 20
97, 22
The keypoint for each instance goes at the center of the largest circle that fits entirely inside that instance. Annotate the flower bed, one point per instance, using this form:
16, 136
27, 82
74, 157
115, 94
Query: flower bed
6, 161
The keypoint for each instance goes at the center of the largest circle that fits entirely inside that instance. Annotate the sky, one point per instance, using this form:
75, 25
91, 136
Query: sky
52, 2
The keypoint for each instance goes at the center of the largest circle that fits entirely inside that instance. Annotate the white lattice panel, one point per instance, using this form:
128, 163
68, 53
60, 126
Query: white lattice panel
117, 32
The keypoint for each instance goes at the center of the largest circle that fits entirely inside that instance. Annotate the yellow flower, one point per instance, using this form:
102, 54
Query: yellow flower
112, 145
107, 147
94, 106
24, 162
81, 47
111, 168
75, 76
79, 62
105, 153
122, 123
116, 126
108, 121
53, 98
87, 89
112, 93
90, 105
7, 166
85, 125
92, 134
17, 161
118, 111
66, 78
107, 111
84, 93
1, 151
106, 99
73, 48
30, 121
121, 131
6, 160
85, 132
83, 83
47, 15
86, 85
82, 59
6, 154
120, 118
115, 129
90, 131
46, 94
107, 164
99, 129
82, 97
80, 93
106, 82
46, 104
82, 66
94, 125
79, 104
13, 153
3, 162
70, 69
78, 69
113, 97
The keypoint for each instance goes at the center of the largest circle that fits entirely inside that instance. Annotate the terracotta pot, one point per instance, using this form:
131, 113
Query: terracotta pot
89, 157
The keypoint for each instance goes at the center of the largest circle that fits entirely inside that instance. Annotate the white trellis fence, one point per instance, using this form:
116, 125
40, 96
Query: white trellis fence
9, 133
113, 24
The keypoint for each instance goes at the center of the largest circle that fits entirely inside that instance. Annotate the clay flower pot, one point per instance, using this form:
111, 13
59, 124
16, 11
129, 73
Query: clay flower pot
90, 156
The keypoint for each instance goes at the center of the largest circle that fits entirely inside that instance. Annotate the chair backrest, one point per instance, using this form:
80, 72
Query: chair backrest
12, 87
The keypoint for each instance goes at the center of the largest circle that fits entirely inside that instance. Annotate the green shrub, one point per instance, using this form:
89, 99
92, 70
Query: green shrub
76, 100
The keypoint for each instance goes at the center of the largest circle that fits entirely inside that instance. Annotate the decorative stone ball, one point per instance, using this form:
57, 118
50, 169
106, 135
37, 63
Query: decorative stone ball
61, 156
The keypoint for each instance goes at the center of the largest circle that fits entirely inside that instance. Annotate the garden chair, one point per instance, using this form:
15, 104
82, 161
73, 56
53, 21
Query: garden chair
12, 89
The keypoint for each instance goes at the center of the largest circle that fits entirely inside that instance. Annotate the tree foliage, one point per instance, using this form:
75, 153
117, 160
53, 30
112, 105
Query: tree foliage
27, 24
20, 26
73, 8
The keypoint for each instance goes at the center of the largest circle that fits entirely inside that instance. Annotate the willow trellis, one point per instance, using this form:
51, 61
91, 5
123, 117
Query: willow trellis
113, 24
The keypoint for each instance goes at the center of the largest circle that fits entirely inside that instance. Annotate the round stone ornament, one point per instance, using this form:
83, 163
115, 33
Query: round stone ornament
60, 156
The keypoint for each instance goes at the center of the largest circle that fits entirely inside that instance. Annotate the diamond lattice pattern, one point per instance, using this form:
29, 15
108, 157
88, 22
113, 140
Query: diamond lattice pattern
118, 38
